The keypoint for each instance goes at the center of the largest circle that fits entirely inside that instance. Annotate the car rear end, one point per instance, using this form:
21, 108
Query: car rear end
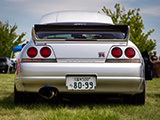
81, 59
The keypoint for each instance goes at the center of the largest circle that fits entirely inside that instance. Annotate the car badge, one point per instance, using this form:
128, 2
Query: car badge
101, 54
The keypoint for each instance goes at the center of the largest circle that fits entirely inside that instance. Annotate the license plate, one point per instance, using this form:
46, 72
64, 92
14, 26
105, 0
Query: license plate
81, 82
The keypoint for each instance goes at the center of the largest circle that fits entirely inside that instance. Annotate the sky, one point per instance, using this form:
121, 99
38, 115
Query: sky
26, 13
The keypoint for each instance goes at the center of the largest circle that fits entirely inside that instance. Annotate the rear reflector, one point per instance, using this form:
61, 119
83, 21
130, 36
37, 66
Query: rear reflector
116, 52
45, 52
39, 60
32, 52
130, 52
122, 61
18, 66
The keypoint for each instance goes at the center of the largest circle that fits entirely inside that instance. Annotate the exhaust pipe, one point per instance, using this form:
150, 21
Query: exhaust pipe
48, 92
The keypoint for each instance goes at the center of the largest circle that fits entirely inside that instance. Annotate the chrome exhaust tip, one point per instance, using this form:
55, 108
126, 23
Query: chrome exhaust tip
48, 92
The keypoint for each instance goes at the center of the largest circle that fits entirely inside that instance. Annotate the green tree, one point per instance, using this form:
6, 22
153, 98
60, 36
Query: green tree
9, 38
133, 19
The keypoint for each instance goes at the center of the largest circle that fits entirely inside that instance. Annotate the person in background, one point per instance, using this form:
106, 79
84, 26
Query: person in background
156, 65
154, 57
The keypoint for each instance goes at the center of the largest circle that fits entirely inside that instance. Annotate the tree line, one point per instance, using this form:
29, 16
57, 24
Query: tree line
9, 38
133, 19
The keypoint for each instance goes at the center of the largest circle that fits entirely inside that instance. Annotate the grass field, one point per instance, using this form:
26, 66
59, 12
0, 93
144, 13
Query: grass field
83, 111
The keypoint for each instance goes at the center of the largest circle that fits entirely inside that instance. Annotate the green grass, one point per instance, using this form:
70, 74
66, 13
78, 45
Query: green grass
52, 111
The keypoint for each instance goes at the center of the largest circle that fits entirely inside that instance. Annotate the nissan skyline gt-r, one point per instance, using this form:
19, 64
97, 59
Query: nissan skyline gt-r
77, 52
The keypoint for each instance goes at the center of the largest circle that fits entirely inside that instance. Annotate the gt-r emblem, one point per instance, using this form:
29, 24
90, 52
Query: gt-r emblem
101, 54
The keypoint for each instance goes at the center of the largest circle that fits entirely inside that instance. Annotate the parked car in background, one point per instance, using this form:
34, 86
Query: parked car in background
78, 52
4, 64
13, 62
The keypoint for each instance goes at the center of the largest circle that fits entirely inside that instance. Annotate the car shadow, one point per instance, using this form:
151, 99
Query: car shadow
157, 95
73, 101
7, 102
90, 99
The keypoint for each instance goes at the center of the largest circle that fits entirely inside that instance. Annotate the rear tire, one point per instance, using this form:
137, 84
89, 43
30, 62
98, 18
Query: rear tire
138, 99
21, 98
17, 96
6, 70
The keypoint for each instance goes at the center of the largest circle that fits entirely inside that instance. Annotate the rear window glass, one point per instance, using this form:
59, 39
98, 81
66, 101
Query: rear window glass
79, 35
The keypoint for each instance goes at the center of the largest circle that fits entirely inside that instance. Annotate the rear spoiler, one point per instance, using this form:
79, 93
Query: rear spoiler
104, 27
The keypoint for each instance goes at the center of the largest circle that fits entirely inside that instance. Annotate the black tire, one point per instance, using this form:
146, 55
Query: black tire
6, 70
24, 97
138, 99
21, 98
17, 96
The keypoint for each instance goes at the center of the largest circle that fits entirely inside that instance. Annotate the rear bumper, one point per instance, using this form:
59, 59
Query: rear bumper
118, 78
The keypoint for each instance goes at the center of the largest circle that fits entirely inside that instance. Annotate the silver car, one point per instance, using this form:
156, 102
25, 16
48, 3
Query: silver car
77, 52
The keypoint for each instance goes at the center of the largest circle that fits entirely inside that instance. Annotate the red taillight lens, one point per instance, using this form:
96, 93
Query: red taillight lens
45, 52
32, 52
18, 66
116, 52
130, 52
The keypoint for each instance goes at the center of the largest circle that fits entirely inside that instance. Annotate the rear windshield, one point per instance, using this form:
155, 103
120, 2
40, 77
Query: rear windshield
80, 35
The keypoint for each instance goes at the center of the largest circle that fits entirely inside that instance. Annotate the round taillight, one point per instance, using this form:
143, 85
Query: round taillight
116, 52
32, 52
45, 52
130, 52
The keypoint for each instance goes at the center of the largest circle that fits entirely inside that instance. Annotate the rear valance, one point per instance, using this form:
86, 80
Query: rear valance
103, 32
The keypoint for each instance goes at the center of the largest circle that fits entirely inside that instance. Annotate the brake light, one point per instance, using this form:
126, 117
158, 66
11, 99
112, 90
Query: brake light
130, 52
45, 52
116, 52
18, 66
32, 52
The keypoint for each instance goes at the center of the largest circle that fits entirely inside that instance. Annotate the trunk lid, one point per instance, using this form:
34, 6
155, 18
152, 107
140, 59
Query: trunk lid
80, 50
